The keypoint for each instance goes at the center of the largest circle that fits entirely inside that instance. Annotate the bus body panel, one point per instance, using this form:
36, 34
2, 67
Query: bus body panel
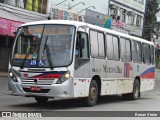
146, 74
82, 80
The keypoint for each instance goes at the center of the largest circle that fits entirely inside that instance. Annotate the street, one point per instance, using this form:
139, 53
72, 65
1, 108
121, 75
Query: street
149, 101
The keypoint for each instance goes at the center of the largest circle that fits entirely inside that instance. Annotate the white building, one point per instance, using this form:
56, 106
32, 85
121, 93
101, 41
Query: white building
94, 12
76, 6
128, 15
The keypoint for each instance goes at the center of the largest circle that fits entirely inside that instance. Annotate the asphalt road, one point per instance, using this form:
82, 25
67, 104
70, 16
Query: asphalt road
149, 101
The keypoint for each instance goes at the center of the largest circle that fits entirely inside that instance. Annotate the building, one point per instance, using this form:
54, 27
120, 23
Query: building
93, 12
127, 16
13, 13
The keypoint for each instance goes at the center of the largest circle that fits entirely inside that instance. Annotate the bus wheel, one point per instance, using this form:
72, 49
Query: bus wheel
41, 99
91, 100
136, 92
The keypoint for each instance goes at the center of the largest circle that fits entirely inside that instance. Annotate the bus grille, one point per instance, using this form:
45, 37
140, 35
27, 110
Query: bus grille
39, 82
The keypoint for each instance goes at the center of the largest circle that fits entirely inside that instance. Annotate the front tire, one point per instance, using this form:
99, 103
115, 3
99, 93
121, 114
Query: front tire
41, 99
91, 100
135, 94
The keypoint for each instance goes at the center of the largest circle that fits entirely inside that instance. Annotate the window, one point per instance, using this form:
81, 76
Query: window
152, 54
123, 15
109, 42
128, 50
130, 19
94, 43
101, 44
125, 49
146, 54
138, 20
136, 51
97, 44
82, 49
112, 47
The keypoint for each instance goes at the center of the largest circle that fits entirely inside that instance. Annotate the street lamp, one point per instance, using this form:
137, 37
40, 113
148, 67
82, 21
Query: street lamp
87, 8
60, 2
75, 5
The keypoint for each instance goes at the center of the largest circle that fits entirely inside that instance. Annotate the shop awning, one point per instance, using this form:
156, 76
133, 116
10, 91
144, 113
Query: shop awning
8, 27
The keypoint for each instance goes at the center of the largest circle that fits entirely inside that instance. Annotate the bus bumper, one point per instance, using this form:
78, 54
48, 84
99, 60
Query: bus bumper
64, 90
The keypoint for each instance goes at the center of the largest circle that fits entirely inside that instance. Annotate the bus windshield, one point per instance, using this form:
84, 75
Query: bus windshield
43, 46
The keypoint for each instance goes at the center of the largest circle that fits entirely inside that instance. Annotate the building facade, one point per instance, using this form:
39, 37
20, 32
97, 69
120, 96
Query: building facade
93, 12
128, 16
13, 13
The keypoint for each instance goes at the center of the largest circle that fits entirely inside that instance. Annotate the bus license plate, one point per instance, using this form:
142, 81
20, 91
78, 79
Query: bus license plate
34, 88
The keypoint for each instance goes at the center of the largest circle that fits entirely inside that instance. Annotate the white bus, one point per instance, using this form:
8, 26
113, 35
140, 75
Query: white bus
70, 59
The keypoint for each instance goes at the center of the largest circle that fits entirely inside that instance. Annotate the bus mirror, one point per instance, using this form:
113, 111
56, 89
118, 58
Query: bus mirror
81, 43
15, 33
27, 35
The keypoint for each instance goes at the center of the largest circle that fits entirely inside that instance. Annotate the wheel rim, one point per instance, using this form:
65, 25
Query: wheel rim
93, 93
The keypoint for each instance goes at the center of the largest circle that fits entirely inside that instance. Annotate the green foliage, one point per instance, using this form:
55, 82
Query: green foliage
150, 25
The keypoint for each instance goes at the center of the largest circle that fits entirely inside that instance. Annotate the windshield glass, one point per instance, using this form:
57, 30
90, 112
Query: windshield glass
43, 46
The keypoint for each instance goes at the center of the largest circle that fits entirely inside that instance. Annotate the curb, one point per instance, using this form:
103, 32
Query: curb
3, 74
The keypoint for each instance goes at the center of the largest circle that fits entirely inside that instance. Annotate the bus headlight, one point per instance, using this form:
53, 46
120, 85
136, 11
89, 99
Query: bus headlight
63, 78
12, 76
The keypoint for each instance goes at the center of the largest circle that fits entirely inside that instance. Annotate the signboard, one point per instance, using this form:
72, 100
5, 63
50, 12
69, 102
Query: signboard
64, 15
7, 27
118, 24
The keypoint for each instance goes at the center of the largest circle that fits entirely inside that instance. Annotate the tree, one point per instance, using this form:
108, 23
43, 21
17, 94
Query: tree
150, 23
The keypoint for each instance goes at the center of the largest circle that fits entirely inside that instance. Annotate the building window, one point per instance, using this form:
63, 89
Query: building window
123, 15
131, 19
138, 20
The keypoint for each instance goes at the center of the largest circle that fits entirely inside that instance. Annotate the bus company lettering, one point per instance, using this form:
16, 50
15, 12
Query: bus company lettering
106, 69
115, 69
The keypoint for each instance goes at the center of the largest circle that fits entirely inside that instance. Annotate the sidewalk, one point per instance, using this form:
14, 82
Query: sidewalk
3, 74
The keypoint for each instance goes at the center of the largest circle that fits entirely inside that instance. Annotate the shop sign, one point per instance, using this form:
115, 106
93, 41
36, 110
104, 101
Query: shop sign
118, 23
64, 15
8, 27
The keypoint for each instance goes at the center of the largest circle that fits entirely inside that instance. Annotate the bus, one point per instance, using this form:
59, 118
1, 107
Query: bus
71, 59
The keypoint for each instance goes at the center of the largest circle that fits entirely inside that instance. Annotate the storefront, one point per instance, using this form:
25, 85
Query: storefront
7, 29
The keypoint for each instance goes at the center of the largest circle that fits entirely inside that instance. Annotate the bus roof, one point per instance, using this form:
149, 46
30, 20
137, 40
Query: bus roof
77, 23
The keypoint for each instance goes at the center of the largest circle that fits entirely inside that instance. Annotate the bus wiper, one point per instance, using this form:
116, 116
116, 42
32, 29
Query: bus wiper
24, 60
49, 57
48, 53
45, 44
